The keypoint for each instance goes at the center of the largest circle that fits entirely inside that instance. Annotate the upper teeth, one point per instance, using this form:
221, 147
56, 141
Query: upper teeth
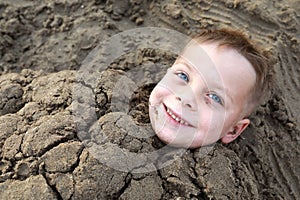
176, 118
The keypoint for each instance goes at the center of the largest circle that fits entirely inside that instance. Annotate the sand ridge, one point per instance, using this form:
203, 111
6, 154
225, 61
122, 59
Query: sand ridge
42, 46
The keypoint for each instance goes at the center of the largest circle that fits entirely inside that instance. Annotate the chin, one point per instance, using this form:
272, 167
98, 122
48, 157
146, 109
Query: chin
176, 142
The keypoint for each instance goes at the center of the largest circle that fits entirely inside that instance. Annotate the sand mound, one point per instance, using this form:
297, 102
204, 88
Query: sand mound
44, 156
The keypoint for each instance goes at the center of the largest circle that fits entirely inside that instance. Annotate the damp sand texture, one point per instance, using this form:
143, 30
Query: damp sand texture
42, 46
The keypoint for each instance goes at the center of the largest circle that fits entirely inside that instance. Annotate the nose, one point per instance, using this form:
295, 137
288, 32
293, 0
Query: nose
186, 101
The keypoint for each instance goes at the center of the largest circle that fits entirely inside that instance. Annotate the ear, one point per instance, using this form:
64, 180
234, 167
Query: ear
237, 130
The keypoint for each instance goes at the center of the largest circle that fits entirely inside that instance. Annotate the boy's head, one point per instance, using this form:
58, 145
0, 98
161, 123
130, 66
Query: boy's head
212, 87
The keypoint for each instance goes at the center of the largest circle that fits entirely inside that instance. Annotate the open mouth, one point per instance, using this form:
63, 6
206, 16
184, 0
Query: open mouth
175, 117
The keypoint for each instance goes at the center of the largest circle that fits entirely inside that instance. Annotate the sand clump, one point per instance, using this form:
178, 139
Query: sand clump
44, 152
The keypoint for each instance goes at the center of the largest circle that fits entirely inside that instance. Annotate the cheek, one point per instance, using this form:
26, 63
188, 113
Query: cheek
205, 120
211, 122
209, 128
158, 94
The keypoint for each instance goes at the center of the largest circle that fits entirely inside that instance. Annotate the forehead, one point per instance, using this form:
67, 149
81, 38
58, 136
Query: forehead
220, 66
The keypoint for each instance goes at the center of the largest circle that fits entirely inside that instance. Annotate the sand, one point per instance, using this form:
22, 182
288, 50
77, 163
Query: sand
46, 153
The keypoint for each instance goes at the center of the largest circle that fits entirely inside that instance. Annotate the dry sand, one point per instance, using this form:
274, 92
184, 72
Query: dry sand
42, 46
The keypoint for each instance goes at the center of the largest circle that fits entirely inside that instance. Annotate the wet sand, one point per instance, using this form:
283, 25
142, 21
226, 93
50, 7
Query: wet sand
42, 47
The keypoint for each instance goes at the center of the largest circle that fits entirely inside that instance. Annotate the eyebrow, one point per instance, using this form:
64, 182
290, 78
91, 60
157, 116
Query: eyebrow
183, 61
218, 87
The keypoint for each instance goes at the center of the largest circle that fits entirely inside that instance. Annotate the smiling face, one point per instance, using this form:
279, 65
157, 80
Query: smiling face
202, 97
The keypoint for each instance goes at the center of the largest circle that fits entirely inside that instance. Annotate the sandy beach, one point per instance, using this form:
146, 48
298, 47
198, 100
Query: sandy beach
46, 153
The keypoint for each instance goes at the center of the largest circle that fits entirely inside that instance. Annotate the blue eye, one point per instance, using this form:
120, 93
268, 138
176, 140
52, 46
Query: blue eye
215, 98
183, 76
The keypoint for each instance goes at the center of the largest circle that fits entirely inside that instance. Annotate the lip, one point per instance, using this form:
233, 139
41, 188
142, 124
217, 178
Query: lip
177, 115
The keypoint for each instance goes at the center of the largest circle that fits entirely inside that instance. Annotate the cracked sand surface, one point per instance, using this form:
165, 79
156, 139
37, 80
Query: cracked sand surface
42, 155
